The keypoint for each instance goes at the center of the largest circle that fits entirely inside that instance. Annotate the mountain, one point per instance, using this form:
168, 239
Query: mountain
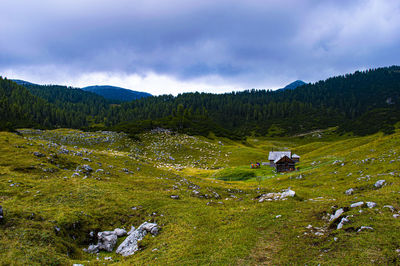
294, 85
22, 82
117, 93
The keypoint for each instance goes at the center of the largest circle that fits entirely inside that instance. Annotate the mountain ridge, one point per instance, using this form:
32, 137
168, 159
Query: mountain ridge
116, 93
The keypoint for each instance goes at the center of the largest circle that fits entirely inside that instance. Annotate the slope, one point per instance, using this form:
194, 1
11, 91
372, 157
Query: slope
50, 212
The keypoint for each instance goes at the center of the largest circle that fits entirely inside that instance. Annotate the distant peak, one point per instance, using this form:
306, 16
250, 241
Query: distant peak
294, 85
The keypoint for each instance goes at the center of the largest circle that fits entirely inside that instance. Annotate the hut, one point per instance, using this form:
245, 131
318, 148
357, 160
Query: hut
283, 161
285, 164
275, 155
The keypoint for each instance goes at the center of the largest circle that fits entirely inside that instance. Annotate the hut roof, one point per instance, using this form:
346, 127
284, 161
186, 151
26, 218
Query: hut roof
276, 155
284, 159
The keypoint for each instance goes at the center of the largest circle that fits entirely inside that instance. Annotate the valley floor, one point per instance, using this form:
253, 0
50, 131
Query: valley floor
58, 188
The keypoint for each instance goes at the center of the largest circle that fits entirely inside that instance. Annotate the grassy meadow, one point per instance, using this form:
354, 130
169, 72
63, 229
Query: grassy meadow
50, 211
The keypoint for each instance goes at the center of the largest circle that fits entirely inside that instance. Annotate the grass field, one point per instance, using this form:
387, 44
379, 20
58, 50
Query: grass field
49, 212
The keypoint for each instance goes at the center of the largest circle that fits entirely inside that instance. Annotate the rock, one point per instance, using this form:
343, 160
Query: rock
365, 228
278, 216
379, 183
396, 215
371, 204
76, 264
174, 197
349, 191
92, 249
357, 204
342, 222
86, 168
1, 214
106, 241
120, 232
287, 193
38, 154
336, 215
389, 207
130, 244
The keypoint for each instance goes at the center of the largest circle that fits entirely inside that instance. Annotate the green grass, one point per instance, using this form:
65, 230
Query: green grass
230, 229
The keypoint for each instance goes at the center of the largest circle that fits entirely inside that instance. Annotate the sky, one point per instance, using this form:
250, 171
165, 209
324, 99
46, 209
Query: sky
176, 46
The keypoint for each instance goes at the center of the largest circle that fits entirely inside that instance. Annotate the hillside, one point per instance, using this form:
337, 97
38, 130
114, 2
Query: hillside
117, 93
51, 208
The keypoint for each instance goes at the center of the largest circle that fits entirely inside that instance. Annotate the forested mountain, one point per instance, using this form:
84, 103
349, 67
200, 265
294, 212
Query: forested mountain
363, 102
117, 93
19, 108
73, 99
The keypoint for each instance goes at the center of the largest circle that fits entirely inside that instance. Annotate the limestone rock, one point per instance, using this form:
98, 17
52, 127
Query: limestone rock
130, 244
371, 204
336, 215
379, 183
342, 222
38, 154
349, 191
120, 232
357, 204
365, 228
107, 240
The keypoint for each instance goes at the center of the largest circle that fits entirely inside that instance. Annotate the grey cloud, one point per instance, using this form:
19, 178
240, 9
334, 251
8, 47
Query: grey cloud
247, 42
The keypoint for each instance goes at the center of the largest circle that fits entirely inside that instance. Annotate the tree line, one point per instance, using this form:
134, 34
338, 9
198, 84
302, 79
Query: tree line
363, 103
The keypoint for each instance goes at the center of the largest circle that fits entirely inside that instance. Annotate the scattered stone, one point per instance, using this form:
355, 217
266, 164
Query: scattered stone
357, 204
38, 154
130, 244
336, 215
174, 197
86, 168
335, 239
365, 228
371, 204
396, 215
278, 216
107, 258
277, 196
342, 222
77, 264
349, 191
390, 207
379, 183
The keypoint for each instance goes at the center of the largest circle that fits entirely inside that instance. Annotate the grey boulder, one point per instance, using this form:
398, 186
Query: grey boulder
379, 183
130, 244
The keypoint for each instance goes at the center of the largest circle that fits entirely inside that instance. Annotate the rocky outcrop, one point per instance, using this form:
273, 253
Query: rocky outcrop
130, 244
277, 196
106, 240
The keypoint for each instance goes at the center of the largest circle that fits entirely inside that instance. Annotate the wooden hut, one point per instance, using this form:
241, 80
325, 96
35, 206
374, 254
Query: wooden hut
285, 164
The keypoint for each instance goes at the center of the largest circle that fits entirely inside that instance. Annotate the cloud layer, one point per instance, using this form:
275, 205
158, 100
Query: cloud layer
181, 45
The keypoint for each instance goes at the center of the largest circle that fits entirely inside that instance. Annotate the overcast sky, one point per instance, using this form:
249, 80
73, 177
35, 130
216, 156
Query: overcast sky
175, 46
